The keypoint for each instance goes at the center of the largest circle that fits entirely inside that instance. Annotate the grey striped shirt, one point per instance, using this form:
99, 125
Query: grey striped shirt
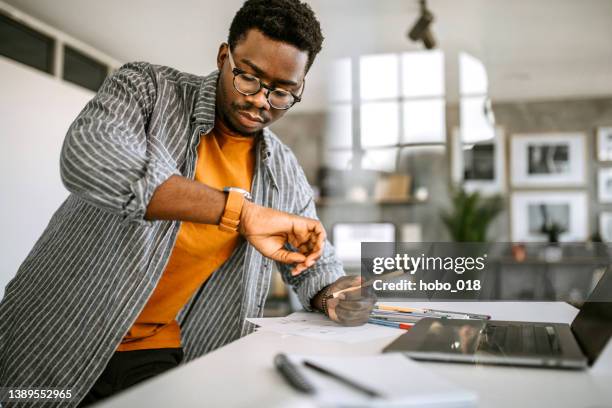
93, 269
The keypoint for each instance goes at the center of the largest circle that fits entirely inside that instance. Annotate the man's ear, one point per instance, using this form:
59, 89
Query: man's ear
221, 55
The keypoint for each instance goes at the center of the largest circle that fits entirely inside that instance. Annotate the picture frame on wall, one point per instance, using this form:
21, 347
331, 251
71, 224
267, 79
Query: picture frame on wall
604, 184
480, 166
604, 143
532, 210
605, 226
548, 160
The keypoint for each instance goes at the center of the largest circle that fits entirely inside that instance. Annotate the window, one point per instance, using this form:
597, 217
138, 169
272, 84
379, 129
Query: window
83, 70
339, 130
476, 124
30, 46
382, 104
477, 138
25, 45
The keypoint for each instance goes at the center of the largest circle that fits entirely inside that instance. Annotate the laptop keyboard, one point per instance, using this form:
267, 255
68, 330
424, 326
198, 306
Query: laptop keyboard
522, 339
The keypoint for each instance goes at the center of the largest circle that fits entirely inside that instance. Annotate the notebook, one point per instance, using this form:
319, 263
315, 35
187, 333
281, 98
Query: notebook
401, 381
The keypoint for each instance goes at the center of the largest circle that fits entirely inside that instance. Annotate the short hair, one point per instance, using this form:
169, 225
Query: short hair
289, 21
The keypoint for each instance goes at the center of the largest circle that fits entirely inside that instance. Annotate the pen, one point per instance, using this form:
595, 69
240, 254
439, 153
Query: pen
342, 379
444, 313
469, 315
405, 326
368, 283
292, 375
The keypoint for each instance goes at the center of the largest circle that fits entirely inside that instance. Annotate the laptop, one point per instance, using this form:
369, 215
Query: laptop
552, 345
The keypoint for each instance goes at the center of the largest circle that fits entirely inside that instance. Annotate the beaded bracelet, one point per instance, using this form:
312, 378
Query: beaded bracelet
324, 300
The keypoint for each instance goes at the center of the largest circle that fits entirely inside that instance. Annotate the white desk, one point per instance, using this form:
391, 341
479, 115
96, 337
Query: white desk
241, 374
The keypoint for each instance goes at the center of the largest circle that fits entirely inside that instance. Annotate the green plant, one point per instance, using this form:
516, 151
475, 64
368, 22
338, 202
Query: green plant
470, 215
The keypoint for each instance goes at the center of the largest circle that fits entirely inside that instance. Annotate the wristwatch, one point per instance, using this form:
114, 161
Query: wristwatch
233, 208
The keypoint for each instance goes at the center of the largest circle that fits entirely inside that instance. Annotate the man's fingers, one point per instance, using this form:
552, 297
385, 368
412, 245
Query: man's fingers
354, 309
350, 282
359, 294
351, 317
317, 250
297, 270
364, 304
309, 239
288, 257
318, 238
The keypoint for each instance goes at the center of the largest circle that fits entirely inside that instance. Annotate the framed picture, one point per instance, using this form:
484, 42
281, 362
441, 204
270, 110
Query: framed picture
604, 143
604, 184
480, 166
605, 226
534, 212
548, 160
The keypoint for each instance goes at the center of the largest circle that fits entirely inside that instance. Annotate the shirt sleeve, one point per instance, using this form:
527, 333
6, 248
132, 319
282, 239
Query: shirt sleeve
327, 269
108, 158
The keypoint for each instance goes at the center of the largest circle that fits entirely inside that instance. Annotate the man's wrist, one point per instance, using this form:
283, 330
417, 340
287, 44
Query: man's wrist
319, 301
247, 208
236, 198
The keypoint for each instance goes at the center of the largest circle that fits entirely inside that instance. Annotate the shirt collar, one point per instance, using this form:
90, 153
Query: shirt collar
204, 109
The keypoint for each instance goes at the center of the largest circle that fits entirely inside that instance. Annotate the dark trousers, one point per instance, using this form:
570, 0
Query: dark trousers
127, 368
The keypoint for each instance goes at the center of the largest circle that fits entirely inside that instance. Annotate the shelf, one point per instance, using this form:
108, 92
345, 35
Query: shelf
570, 260
332, 201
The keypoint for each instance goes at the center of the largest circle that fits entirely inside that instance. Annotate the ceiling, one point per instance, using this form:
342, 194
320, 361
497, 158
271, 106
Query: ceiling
532, 49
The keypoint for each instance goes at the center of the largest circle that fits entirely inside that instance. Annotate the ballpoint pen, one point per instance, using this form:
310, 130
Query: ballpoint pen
435, 312
360, 387
405, 326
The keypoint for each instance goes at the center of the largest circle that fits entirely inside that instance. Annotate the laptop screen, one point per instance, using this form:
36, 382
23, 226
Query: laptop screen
592, 327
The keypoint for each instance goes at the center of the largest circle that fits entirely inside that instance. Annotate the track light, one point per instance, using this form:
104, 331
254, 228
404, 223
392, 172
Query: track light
421, 30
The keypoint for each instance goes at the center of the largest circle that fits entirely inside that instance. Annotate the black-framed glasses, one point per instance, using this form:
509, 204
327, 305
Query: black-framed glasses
248, 84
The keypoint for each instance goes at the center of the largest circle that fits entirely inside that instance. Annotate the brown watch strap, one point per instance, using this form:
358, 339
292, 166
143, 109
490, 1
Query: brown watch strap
231, 215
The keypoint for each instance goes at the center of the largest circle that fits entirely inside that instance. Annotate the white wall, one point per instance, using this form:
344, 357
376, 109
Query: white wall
536, 50
35, 112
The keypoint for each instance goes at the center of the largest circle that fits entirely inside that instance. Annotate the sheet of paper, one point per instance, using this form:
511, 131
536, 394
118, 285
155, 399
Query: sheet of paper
317, 326
401, 381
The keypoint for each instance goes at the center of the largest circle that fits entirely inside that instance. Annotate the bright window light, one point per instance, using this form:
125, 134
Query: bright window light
424, 121
340, 84
379, 124
472, 75
380, 159
423, 74
339, 126
379, 76
474, 125
339, 160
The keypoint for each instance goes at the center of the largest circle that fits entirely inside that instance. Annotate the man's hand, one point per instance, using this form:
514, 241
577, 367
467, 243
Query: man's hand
268, 230
351, 308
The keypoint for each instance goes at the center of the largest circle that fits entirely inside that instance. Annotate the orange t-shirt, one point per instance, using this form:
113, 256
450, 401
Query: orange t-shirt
224, 159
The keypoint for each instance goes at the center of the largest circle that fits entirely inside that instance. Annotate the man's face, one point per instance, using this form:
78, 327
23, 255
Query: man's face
277, 64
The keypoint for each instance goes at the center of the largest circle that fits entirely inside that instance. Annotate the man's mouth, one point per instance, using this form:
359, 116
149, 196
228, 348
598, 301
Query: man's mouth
254, 119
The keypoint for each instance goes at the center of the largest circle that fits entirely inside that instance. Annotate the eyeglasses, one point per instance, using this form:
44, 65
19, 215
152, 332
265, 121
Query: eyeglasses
248, 84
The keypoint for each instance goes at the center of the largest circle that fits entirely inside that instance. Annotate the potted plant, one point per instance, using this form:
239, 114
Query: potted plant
470, 215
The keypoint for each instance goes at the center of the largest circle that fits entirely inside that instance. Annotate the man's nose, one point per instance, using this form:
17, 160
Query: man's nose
260, 99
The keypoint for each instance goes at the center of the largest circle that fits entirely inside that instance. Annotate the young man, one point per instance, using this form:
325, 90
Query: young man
160, 252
